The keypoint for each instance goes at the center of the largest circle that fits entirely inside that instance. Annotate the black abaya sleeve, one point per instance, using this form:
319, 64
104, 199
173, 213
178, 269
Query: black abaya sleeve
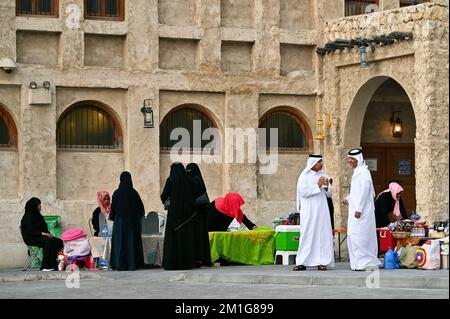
198, 189
26, 226
140, 205
247, 223
44, 225
166, 191
383, 206
112, 214
95, 222
403, 210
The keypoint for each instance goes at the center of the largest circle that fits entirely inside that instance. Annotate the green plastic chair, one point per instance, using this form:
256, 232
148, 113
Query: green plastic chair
34, 257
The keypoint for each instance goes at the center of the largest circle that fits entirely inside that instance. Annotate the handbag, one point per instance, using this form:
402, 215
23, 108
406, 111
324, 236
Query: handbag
202, 200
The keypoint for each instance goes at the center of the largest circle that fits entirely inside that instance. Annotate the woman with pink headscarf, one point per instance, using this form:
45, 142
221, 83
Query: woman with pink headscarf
389, 204
101, 213
223, 210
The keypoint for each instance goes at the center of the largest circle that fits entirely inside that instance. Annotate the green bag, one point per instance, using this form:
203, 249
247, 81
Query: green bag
55, 228
408, 257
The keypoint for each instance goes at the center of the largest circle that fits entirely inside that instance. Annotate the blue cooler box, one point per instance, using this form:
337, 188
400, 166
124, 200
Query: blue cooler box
287, 237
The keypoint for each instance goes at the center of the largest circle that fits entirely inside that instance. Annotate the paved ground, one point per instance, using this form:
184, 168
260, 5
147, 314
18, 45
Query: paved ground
231, 282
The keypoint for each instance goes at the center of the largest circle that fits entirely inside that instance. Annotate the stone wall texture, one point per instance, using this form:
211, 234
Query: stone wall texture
233, 60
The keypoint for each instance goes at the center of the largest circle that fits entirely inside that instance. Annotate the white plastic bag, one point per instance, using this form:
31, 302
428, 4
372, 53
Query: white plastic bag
77, 247
429, 255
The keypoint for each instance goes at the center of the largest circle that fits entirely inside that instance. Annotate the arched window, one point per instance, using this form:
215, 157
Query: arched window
88, 126
8, 131
293, 134
183, 117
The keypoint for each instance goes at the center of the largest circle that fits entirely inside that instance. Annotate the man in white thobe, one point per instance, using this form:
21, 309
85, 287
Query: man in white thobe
361, 232
316, 237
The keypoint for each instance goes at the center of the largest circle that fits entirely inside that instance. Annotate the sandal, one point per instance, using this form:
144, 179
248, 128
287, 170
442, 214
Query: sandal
321, 267
299, 268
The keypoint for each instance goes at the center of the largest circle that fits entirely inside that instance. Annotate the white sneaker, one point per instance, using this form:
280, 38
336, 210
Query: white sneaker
48, 269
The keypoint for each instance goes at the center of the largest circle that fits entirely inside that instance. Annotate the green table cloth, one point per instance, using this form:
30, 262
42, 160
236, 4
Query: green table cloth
252, 247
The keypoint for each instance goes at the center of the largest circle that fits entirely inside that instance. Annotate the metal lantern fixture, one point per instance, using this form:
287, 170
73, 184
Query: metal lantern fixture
148, 113
363, 56
320, 125
319, 135
46, 85
396, 123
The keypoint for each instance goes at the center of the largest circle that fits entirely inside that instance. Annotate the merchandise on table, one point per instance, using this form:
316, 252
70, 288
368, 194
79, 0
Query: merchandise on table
292, 218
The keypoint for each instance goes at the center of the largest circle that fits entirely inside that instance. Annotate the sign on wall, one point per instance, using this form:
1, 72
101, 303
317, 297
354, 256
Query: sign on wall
372, 164
404, 167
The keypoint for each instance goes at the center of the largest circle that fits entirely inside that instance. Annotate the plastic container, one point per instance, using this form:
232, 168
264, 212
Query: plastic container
104, 232
72, 234
287, 237
54, 225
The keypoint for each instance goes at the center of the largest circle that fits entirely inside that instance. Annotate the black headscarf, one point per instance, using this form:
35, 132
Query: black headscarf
126, 201
33, 223
193, 170
31, 206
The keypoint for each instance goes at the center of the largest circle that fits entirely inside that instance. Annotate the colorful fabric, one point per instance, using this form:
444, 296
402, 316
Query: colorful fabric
230, 205
253, 247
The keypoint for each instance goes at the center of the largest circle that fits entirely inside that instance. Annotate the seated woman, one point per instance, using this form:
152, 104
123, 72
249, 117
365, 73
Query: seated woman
100, 216
389, 201
35, 233
223, 210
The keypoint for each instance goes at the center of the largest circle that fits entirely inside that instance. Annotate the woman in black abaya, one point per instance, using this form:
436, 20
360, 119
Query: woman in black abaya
127, 210
35, 233
179, 240
200, 223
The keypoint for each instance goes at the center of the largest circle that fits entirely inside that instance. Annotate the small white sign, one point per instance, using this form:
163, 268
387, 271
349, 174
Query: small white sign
372, 164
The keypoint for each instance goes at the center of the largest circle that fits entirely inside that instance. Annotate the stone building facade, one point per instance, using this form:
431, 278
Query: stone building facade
235, 62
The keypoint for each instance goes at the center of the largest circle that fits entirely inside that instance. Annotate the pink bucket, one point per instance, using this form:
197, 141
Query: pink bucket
72, 234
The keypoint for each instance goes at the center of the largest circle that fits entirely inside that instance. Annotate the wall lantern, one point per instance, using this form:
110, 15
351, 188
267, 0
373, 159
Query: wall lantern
363, 56
33, 85
148, 113
320, 123
7, 65
396, 125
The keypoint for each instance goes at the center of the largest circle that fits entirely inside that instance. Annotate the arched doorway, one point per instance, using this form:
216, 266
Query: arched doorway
378, 106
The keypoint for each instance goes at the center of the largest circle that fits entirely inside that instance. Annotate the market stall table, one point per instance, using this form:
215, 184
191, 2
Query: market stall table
152, 246
411, 240
252, 247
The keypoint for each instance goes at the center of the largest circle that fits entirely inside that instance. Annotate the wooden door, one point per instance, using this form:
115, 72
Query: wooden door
393, 163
